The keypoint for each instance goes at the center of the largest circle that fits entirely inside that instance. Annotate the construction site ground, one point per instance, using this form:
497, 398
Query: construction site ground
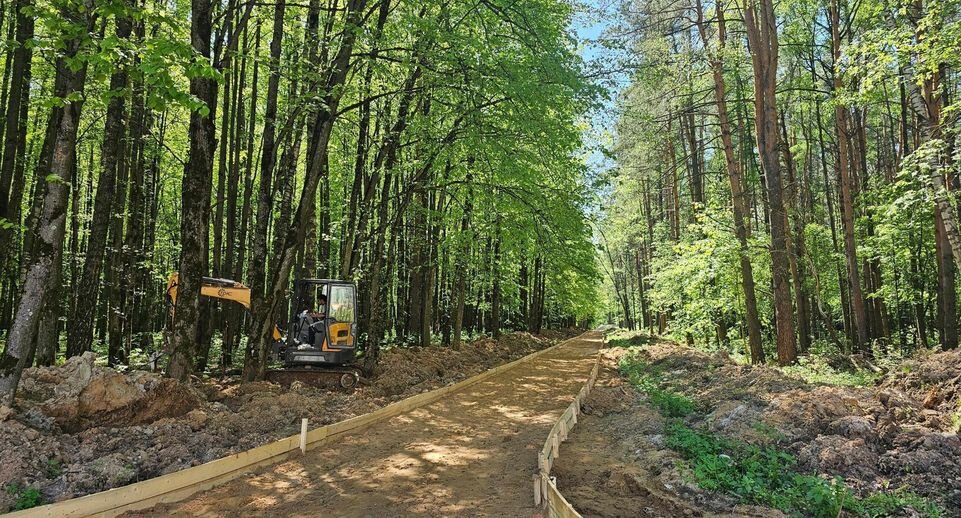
472, 453
895, 433
80, 428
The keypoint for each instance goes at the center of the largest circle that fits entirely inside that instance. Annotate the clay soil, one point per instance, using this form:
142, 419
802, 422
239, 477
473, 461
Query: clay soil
473, 453
896, 434
80, 428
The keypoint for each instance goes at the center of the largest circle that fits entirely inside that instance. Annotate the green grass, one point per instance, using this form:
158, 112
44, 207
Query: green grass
666, 401
758, 474
815, 370
27, 497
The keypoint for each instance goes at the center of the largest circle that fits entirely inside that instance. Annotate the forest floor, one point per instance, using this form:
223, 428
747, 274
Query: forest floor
671, 431
80, 428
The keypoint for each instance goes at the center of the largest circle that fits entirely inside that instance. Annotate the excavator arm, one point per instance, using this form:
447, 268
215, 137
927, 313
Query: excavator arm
224, 289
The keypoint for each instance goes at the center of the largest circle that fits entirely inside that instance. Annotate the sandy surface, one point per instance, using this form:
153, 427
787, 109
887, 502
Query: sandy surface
470, 454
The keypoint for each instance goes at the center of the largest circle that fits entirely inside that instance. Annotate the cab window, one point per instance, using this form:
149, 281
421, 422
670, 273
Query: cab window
342, 306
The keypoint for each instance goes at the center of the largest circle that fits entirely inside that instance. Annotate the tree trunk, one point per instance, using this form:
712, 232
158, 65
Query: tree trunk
742, 227
762, 36
195, 204
264, 307
57, 157
463, 259
14, 142
19, 97
265, 198
80, 331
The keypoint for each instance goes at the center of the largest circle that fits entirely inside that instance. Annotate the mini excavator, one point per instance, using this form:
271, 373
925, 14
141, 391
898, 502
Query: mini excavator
322, 331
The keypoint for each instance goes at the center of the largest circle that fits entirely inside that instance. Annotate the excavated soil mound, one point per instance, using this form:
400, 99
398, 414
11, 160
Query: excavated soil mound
899, 433
411, 370
80, 395
934, 380
615, 462
81, 428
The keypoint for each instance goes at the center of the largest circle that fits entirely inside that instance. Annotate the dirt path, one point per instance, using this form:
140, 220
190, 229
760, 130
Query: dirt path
470, 454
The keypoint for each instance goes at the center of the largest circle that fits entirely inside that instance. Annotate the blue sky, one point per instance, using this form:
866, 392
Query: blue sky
592, 19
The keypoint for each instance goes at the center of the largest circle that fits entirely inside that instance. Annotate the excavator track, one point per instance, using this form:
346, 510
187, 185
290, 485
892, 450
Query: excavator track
343, 377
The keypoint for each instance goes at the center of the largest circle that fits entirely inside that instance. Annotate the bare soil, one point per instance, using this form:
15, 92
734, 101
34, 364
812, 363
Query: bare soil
899, 433
473, 453
80, 428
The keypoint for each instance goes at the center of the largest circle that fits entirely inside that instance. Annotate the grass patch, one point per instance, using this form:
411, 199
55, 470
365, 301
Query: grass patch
816, 370
26, 497
649, 381
767, 476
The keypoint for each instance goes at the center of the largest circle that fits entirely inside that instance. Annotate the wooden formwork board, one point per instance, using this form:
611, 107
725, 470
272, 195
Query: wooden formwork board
179, 485
557, 505
545, 491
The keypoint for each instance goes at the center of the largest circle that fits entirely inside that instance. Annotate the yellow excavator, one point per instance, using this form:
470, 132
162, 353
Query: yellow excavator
321, 338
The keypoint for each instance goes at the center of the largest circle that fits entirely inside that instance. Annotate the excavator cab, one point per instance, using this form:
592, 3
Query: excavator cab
323, 325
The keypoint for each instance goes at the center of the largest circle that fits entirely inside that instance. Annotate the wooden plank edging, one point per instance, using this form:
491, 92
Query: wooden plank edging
546, 493
180, 485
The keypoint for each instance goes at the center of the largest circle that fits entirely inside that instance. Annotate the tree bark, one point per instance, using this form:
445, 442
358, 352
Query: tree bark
15, 135
742, 227
80, 330
762, 37
57, 157
264, 306
265, 199
195, 205
463, 260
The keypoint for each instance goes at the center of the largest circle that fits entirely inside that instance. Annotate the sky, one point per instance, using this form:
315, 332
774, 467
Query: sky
592, 19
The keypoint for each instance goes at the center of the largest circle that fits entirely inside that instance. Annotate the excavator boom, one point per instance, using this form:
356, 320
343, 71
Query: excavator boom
212, 287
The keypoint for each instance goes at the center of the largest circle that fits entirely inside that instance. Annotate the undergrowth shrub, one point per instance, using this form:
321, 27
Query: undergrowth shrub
27, 497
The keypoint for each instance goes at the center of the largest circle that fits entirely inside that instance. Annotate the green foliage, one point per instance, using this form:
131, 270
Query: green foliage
26, 497
668, 402
767, 476
893, 503
6, 224
815, 368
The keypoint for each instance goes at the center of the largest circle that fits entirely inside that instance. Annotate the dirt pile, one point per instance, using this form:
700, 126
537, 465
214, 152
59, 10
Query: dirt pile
80, 395
412, 370
875, 437
933, 379
81, 428
616, 464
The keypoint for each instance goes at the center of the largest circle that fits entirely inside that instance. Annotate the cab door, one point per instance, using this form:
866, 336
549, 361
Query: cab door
341, 316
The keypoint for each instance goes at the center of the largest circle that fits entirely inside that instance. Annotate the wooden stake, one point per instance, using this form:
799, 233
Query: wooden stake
303, 435
537, 489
